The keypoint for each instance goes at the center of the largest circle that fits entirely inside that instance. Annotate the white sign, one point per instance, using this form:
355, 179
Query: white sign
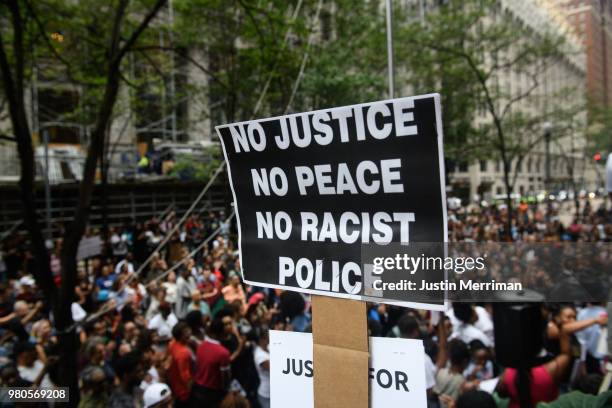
397, 371
88, 247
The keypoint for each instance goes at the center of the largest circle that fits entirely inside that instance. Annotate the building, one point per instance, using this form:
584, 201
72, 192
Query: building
591, 20
568, 168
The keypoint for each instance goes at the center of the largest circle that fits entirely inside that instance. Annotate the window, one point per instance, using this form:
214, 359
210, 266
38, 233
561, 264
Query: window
483, 165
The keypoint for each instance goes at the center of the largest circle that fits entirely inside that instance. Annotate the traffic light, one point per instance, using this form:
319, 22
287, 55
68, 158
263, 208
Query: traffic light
597, 157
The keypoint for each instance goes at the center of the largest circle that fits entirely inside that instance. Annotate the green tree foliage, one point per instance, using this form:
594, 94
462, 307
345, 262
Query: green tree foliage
265, 58
247, 48
600, 130
348, 64
187, 169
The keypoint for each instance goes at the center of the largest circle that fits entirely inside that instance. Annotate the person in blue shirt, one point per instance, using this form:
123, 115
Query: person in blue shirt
105, 282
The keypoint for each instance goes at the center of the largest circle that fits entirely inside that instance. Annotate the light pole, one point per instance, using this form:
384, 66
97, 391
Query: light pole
547, 126
390, 66
45, 134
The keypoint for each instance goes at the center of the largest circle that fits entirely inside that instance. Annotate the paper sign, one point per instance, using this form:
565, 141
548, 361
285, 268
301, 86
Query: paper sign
396, 372
88, 247
310, 189
489, 385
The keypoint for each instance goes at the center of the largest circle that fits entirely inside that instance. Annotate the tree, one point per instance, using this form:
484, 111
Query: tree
478, 43
600, 130
265, 59
108, 32
427, 71
347, 63
249, 50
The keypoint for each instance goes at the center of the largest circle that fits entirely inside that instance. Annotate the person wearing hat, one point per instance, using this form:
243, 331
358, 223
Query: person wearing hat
157, 395
27, 290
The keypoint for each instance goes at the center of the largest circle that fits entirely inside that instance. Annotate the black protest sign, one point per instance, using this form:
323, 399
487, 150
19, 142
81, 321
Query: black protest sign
311, 189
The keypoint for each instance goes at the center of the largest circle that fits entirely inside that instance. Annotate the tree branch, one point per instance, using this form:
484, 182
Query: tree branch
136, 34
521, 96
116, 31
186, 57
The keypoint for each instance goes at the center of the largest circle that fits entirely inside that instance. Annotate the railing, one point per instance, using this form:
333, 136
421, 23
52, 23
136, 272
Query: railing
125, 202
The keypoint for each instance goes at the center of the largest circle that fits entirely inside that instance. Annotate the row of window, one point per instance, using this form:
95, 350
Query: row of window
557, 165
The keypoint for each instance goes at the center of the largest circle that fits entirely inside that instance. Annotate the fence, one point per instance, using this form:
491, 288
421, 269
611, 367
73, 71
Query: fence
125, 202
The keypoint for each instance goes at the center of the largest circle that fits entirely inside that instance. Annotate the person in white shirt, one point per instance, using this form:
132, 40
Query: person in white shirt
471, 323
185, 285
483, 321
589, 336
163, 322
170, 287
125, 263
30, 367
261, 356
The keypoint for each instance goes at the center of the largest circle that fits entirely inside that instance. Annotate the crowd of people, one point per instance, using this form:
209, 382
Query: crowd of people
185, 331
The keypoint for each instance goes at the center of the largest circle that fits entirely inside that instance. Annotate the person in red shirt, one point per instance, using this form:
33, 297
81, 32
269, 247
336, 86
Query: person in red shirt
210, 287
212, 374
180, 372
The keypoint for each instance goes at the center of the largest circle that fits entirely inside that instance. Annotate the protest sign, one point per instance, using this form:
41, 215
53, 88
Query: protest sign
88, 247
396, 372
310, 189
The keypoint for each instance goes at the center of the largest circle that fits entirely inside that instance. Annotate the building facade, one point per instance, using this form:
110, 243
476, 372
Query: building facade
564, 167
591, 20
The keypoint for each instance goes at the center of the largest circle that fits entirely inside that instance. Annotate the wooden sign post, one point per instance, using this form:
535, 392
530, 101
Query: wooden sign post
341, 357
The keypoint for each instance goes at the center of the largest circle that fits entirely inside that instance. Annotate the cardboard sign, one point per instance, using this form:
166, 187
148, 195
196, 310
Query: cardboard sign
341, 353
396, 372
88, 247
310, 189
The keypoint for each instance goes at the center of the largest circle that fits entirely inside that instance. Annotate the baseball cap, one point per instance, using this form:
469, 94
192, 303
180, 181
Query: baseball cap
156, 393
26, 281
